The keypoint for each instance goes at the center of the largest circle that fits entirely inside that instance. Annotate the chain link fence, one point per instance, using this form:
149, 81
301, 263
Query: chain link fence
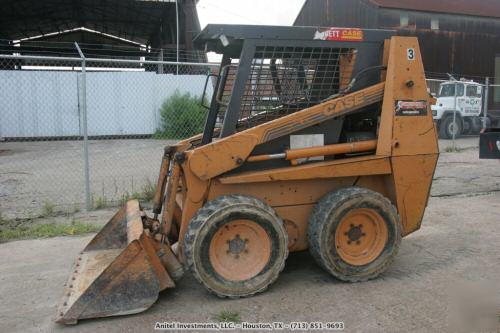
86, 133
80, 133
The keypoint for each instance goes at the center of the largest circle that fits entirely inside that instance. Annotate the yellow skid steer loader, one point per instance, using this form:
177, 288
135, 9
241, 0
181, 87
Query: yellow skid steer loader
315, 138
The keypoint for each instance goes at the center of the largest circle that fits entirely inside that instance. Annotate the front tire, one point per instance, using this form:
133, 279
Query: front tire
354, 233
236, 246
447, 127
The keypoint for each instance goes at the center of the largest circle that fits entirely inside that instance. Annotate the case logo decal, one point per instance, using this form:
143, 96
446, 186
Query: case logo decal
340, 34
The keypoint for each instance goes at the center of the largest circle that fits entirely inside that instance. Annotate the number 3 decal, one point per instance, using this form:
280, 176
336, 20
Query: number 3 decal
411, 54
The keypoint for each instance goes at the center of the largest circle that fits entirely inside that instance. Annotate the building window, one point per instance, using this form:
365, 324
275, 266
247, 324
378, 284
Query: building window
404, 20
497, 79
434, 24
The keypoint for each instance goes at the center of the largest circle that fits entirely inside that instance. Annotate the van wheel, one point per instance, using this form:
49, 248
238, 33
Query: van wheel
354, 233
448, 127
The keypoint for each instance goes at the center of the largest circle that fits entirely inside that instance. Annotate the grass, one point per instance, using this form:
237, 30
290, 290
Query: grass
124, 198
159, 135
48, 209
451, 149
228, 316
76, 208
100, 203
30, 230
145, 195
148, 190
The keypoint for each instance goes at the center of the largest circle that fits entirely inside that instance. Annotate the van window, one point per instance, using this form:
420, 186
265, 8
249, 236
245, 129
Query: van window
460, 89
447, 90
472, 91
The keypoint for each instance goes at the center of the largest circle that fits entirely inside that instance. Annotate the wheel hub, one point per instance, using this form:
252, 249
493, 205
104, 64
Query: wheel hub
237, 245
360, 236
239, 250
355, 233
453, 129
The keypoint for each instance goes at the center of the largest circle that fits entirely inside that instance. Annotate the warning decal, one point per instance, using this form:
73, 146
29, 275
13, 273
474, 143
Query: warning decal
411, 108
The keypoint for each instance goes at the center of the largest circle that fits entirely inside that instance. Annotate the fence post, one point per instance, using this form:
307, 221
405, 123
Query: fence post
454, 117
160, 58
88, 203
485, 103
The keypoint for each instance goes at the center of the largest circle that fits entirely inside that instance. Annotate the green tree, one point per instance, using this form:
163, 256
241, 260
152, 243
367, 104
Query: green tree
181, 116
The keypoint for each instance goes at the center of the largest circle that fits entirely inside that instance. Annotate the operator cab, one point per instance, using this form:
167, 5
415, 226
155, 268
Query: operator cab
268, 72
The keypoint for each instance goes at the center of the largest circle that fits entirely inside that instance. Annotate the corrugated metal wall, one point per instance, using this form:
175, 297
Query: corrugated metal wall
464, 45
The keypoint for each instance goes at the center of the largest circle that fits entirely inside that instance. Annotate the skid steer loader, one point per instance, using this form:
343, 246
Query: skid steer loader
315, 138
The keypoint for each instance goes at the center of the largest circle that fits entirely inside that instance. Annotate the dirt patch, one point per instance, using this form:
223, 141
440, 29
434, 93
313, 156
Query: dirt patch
4, 152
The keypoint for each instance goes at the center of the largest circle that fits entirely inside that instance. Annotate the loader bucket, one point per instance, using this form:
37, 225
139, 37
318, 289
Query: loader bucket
117, 273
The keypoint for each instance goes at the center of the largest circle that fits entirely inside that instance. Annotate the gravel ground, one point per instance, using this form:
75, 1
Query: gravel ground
35, 173
442, 270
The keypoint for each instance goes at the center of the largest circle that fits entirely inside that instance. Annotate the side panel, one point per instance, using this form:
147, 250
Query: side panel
348, 167
282, 193
294, 200
412, 179
407, 132
296, 221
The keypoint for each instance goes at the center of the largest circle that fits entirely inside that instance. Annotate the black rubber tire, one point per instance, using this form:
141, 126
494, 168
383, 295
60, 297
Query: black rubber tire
323, 223
205, 224
474, 126
444, 127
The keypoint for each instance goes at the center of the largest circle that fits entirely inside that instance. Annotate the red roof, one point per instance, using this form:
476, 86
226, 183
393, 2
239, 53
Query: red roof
490, 8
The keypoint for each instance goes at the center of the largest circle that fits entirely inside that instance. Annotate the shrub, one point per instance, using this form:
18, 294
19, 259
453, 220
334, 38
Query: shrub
181, 116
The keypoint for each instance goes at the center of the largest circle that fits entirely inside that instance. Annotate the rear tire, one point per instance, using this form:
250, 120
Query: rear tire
473, 125
354, 234
236, 246
446, 127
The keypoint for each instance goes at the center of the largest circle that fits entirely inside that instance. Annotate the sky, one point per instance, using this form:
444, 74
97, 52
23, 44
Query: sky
262, 12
